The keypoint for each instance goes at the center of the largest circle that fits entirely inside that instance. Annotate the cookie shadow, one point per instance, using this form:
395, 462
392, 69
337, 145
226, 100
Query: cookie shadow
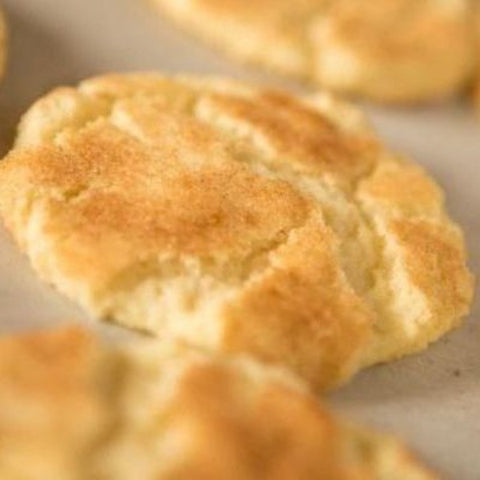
447, 370
37, 62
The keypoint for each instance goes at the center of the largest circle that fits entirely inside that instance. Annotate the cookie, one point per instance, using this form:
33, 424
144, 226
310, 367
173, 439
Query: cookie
237, 219
387, 50
72, 408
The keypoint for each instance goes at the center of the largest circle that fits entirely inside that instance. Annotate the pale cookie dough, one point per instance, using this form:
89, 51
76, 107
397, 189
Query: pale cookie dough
237, 219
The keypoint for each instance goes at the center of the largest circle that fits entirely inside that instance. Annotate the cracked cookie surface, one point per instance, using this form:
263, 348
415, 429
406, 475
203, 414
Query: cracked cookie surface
387, 50
237, 219
161, 411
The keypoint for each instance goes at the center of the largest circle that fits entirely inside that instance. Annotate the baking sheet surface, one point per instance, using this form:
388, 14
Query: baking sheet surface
432, 399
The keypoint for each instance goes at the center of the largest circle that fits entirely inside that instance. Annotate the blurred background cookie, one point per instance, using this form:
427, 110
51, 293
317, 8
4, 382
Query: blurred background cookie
236, 218
386, 50
73, 409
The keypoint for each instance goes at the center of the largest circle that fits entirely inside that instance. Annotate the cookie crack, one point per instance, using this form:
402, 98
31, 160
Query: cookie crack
198, 279
308, 185
364, 261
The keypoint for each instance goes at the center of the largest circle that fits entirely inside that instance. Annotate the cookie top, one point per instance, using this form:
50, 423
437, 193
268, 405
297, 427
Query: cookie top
387, 50
73, 409
236, 218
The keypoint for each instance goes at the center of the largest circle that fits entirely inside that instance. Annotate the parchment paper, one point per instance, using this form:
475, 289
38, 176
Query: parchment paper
431, 399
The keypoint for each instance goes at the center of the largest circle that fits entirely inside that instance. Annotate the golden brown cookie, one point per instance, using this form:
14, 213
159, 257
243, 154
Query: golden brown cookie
73, 409
237, 219
387, 50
